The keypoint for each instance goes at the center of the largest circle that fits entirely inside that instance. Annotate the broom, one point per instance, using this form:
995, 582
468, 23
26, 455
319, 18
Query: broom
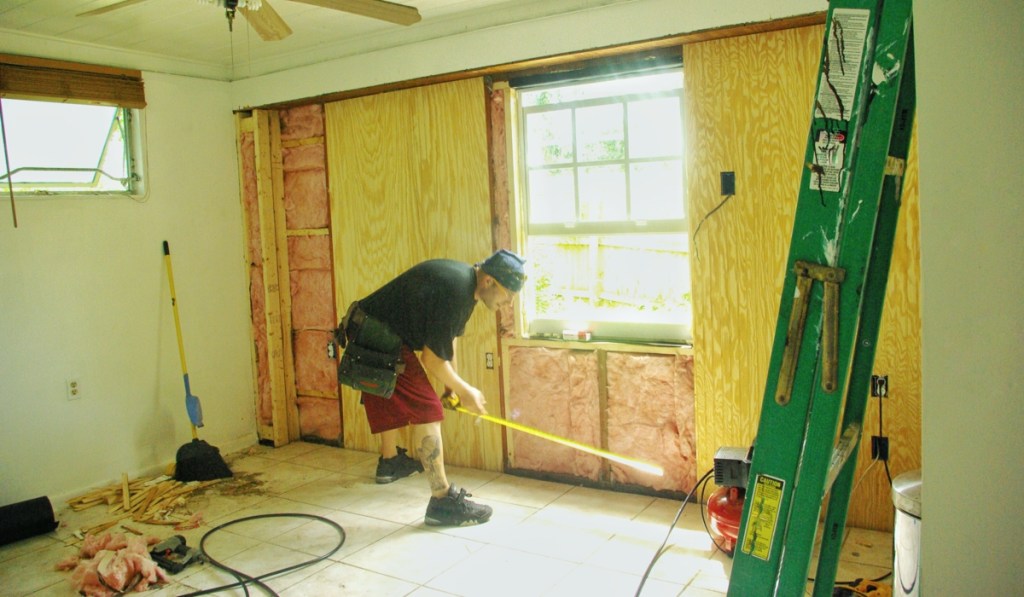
196, 460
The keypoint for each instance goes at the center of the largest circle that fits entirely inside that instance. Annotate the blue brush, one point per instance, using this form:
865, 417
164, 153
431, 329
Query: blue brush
192, 404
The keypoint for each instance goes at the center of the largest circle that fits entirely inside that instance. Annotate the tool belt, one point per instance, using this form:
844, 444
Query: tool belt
372, 360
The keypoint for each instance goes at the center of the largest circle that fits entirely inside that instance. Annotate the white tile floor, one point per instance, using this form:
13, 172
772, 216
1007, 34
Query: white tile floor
544, 538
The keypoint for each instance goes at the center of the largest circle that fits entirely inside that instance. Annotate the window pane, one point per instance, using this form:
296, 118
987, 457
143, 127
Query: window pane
60, 147
603, 193
656, 190
599, 134
552, 196
549, 138
626, 278
654, 128
610, 163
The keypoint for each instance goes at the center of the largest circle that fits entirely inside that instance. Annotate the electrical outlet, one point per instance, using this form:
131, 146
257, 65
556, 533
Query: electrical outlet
879, 386
879, 448
74, 388
489, 360
728, 183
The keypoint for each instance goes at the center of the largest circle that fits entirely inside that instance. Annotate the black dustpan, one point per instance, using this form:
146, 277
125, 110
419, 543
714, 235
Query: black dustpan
199, 461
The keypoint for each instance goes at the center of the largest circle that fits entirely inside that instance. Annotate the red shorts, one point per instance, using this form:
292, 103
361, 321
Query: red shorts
414, 402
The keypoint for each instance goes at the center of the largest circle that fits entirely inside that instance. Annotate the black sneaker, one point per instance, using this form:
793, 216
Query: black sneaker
455, 510
397, 467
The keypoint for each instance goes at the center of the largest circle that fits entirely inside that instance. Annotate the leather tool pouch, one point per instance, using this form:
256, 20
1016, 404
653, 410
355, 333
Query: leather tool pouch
372, 360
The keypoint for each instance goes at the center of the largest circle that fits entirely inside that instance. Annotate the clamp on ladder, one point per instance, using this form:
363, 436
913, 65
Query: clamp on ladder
806, 274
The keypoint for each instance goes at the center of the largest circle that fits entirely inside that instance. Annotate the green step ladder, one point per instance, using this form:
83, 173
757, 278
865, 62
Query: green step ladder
831, 304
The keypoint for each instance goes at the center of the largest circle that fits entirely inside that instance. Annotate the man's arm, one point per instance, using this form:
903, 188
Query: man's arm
471, 398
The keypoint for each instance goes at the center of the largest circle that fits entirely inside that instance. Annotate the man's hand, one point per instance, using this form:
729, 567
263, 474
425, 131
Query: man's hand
474, 400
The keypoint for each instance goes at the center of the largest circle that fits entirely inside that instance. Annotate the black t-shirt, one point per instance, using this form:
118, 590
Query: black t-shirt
427, 305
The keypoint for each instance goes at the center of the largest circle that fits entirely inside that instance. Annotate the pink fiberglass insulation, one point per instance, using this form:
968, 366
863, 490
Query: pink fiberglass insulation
555, 391
264, 406
113, 564
312, 299
250, 205
500, 226
309, 252
315, 372
302, 122
319, 418
651, 418
305, 187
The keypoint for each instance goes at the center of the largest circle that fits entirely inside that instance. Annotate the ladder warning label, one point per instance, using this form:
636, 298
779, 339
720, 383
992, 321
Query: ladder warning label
764, 516
837, 91
840, 67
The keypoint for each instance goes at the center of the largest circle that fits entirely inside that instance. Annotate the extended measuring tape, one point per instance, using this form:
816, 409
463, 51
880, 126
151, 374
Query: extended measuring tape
451, 402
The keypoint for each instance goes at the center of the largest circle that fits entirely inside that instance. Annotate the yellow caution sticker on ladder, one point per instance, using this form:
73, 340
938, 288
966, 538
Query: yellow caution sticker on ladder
764, 516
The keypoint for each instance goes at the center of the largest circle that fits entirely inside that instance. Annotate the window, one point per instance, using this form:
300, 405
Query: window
600, 188
57, 147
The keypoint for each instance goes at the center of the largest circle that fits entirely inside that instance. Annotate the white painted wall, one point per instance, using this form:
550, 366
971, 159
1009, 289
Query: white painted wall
970, 90
83, 292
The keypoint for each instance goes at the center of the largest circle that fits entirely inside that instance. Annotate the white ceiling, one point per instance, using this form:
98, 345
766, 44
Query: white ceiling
191, 37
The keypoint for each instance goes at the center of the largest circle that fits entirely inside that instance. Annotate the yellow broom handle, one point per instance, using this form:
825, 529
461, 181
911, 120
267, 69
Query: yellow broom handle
624, 460
174, 307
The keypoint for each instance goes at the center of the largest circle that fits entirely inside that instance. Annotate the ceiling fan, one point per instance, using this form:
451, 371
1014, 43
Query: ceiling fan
271, 27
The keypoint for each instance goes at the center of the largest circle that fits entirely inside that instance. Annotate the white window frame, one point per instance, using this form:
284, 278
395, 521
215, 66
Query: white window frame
133, 179
673, 332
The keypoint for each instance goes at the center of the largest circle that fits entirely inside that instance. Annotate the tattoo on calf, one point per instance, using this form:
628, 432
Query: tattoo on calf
430, 455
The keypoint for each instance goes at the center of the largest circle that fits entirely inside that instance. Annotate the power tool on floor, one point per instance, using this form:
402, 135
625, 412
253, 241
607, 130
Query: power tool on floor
861, 586
173, 554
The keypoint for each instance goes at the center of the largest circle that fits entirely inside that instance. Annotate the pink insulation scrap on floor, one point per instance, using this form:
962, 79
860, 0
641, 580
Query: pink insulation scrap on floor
113, 564
555, 391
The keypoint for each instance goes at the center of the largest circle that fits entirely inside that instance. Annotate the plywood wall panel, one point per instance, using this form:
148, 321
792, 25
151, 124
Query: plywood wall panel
747, 111
747, 108
409, 182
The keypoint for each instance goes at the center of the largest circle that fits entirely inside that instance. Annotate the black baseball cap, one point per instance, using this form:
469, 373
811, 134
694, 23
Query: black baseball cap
507, 268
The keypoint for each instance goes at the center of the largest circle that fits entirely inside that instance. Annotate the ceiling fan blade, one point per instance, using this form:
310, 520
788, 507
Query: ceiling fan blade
108, 8
268, 24
375, 9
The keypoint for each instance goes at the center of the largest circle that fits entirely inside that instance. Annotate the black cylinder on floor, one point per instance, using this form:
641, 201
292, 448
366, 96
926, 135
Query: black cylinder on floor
26, 519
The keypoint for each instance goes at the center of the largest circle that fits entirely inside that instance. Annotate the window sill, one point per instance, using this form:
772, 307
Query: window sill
595, 345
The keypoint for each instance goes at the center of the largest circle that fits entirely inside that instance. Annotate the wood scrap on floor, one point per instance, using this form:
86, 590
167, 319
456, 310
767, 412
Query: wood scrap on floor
151, 500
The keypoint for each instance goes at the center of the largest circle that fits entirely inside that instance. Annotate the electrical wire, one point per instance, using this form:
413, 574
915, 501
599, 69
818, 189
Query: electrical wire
244, 580
704, 219
661, 550
881, 434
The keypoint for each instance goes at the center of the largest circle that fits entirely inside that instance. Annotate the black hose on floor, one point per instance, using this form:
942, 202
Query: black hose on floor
662, 549
244, 580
